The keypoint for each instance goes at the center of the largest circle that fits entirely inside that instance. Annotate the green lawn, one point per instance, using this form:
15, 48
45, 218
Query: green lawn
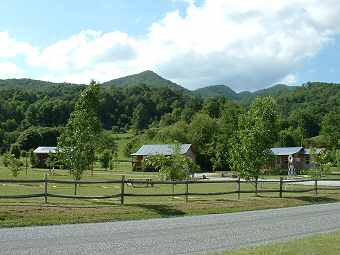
323, 244
33, 211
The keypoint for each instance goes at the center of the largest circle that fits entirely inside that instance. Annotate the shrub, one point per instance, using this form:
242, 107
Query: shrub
105, 159
5, 159
14, 165
33, 159
15, 150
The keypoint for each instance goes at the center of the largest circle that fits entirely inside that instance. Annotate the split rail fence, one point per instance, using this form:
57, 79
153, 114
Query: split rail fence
123, 182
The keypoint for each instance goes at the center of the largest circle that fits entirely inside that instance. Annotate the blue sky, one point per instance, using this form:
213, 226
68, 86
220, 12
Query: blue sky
246, 44
44, 22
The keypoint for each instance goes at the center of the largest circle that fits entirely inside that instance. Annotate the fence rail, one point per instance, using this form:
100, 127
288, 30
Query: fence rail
123, 182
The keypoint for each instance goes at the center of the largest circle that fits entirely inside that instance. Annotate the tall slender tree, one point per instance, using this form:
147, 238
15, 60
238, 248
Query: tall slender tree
80, 138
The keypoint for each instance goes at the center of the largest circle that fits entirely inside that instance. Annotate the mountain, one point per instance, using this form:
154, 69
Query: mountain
216, 91
152, 80
29, 84
274, 91
149, 78
244, 96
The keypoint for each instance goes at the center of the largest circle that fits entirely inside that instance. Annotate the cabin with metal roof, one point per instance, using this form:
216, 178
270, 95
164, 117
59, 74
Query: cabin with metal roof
148, 150
42, 153
301, 157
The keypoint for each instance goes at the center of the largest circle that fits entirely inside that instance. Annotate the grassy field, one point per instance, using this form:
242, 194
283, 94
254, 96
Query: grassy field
325, 244
33, 211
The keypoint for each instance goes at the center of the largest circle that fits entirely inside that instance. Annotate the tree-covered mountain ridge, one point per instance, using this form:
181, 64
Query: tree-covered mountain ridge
33, 112
152, 80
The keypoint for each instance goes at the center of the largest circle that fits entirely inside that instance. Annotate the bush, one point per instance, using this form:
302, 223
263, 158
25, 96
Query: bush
15, 150
105, 159
6, 158
14, 165
33, 159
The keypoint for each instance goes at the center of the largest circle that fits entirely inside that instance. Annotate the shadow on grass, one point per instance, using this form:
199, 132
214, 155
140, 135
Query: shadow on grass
312, 199
162, 210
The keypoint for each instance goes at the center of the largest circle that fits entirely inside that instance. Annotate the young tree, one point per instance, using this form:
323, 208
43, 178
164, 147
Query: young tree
172, 167
78, 141
15, 150
33, 159
14, 165
250, 146
6, 159
321, 163
24, 154
114, 161
105, 159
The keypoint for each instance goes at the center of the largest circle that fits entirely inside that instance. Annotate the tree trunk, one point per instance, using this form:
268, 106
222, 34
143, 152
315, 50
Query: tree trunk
26, 166
75, 189
173, 191
256, 186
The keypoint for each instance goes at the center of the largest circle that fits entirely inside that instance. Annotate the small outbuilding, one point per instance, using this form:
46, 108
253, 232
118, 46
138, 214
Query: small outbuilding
299, 157
43, 153
159, 149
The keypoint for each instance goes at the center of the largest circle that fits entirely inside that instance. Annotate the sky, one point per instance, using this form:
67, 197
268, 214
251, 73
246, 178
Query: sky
245, 44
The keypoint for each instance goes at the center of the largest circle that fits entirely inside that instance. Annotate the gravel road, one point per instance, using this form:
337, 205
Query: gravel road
185, 235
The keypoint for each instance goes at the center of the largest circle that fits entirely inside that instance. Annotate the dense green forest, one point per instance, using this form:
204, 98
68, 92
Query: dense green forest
33, 113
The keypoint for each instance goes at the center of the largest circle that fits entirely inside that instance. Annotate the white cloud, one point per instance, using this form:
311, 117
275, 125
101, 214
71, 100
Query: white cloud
10, 47
289, 79
248, 44
10, 70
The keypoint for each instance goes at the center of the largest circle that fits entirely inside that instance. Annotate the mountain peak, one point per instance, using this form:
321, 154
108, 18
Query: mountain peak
148, 72
216, 91
148, 78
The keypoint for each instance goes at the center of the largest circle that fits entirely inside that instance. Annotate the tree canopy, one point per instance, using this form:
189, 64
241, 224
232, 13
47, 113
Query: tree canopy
79, 139
250, 146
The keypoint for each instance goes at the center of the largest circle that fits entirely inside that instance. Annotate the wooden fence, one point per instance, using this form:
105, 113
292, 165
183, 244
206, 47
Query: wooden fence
280, 190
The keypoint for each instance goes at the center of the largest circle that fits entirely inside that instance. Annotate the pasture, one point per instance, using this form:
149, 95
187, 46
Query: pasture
33, 211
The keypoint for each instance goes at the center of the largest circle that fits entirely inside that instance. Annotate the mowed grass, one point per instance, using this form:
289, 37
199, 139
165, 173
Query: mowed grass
323, 244
33, 211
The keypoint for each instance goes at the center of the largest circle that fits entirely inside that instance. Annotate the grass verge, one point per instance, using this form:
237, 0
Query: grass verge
21, 214
315, 245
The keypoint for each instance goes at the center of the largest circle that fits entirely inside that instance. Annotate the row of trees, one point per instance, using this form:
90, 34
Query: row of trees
225, 134
29, 113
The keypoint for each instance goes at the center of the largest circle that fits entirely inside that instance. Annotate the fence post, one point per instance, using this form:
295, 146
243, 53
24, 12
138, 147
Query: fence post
122, 190
256, 188
281, 186
238, 187
186, 191
316, 187
45, 188
75, 188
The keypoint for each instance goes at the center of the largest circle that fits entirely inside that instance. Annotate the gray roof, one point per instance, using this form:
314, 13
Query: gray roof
286, 150
45, 150
160, 149
281, 151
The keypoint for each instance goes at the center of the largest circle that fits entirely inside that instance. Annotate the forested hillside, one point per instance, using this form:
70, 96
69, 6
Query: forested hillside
217, 91
32, 113
149, 78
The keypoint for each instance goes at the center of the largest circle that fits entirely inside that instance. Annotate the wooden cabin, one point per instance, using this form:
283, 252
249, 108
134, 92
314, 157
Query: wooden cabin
301, 157
43, 153
159, 149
